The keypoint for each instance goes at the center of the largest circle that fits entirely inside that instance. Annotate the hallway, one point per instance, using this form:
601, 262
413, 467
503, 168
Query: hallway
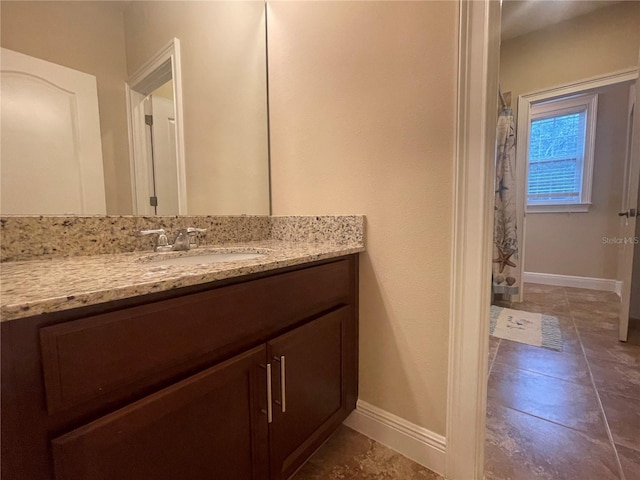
571, 414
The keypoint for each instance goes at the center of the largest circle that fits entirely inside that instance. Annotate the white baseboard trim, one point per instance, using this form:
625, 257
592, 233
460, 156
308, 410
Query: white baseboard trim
417, 443
605, 284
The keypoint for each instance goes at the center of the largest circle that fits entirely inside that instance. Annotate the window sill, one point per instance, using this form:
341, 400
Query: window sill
559, 208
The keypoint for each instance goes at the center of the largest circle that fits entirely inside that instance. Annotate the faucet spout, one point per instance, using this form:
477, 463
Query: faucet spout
184, 241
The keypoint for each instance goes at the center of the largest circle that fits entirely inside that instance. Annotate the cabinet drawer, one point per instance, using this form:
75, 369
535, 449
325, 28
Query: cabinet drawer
86, 359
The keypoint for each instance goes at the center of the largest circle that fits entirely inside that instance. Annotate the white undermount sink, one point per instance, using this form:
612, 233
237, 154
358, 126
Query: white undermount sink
206, 258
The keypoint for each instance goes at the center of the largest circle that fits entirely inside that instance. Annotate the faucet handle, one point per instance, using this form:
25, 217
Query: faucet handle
195, 230
162, 240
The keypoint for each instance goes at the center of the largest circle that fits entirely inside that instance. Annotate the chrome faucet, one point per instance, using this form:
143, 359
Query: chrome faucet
185, 240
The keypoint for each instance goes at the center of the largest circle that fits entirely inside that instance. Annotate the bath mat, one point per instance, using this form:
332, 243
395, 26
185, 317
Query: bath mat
525, 327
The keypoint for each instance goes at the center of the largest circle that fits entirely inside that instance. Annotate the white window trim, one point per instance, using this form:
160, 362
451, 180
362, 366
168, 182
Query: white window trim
549, 106
559, 208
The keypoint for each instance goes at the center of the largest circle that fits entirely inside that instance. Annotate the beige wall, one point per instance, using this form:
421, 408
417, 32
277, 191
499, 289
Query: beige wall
604, 41
598, 43
224, 95
85, 36
362, 98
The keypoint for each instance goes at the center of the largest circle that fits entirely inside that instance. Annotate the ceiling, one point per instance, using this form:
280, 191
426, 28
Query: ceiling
524, 16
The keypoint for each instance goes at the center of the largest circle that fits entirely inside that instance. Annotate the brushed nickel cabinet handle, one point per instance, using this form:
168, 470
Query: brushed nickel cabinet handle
283, 384
269, 398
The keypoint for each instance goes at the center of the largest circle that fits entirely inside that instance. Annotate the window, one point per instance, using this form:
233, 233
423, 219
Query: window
560, 154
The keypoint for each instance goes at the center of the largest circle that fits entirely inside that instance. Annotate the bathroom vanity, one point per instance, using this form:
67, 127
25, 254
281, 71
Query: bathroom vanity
226, 376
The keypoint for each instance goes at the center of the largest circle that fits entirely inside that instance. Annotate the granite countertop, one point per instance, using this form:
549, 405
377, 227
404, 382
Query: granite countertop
47, 285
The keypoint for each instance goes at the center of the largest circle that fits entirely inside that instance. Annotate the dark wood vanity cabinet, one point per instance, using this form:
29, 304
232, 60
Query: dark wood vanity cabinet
308, 389
235, 381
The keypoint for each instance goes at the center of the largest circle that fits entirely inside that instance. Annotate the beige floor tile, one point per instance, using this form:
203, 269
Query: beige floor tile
349, 455
591, 295
523, 447
542, 420
616, 377
561, 308
623, 416
630, 460
566, 403
567, 365
607, 348
546, 298
594, 310
541, 288
597, 324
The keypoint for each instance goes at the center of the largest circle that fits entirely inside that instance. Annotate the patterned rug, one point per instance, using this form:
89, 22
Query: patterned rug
525, 327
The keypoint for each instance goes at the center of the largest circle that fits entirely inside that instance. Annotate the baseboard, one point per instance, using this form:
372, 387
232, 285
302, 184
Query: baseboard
605, 284
417, 443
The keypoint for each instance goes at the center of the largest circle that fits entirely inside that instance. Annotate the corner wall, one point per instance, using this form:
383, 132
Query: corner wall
362, 105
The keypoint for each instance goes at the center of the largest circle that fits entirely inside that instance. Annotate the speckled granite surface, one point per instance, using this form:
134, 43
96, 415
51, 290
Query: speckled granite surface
337, 228
31, 287
23, 238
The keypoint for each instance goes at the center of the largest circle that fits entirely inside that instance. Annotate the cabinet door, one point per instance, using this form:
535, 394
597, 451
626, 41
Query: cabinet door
307, 391
209, 426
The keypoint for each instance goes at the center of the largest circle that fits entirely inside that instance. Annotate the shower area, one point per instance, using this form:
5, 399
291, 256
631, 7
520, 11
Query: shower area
506, 272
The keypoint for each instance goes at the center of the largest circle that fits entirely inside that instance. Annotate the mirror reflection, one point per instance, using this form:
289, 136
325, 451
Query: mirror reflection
161, 161
222, 57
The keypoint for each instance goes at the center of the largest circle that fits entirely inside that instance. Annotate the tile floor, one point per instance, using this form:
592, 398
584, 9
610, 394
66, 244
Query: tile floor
349, 455
566, 415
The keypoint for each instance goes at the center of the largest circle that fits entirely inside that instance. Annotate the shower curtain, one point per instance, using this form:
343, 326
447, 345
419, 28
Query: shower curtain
506, 274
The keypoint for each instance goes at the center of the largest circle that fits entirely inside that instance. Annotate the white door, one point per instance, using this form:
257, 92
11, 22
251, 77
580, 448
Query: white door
51, 150
165, 166
629, 211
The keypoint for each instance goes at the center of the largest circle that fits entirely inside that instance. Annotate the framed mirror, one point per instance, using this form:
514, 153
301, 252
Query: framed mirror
223, 96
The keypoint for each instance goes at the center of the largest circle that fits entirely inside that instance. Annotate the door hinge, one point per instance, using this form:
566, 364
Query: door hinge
148, 119
153, 201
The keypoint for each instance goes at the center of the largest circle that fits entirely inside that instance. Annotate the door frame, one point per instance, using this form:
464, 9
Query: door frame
476, 111
164, 65
525, 102
475, 143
